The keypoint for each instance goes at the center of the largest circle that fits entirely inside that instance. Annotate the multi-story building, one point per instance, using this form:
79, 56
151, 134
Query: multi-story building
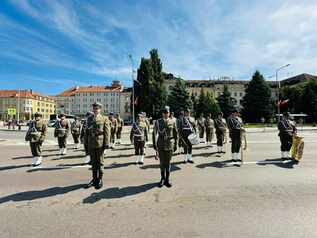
24, 103
78, 100
236, 87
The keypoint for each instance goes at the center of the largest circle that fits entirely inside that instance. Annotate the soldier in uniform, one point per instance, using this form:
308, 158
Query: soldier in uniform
119, 129
36, 135
209, 125
187, 126
286, 129
98, 133
84, 136
235, 126
221, 127
138, 137
165, 142
113, 129
61, 131
75, 130
201, 126
178, 124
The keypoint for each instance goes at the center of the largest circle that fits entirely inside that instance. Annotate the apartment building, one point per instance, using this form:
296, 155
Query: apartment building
24, 103
78, 100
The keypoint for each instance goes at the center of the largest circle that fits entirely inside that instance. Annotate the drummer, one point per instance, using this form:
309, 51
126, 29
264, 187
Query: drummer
187, 126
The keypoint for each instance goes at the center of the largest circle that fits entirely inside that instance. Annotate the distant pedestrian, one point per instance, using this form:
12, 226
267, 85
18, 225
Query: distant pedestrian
61, 131
36, 135
287, 129
235, 126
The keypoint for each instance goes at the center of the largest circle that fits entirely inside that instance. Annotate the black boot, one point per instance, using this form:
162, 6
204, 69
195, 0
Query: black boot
161, 183
93, 181
167, 183
99, 184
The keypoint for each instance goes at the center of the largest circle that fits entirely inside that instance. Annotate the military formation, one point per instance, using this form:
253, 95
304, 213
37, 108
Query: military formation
98, 133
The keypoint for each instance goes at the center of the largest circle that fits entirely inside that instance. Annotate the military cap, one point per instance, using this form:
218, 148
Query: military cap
111, 114
61, 115
37, 114
141, 114
287, 114
166, 109
144, 114
187, 110
97, 104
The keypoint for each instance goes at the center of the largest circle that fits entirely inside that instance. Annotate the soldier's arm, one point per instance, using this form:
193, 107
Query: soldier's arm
107, 133
146, 135
44, 132
175, 133
154, 135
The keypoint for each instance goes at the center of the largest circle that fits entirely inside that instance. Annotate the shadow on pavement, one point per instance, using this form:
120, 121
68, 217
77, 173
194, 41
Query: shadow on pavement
218, 164
116, 192
46, 169
119, 156
22, 157
14, 167
125, 148
205, 154
50, 150
285, 164
174, 166
37, 194
117, 165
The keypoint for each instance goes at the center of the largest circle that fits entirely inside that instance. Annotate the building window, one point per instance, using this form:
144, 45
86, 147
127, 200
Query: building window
235, 94
241, 94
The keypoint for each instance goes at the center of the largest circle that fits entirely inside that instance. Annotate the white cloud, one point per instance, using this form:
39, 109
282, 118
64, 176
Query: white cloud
196, 39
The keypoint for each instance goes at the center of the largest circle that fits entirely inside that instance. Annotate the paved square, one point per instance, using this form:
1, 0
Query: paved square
212, 198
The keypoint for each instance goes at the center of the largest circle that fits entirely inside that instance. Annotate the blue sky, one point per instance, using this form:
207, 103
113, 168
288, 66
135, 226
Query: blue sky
50, 45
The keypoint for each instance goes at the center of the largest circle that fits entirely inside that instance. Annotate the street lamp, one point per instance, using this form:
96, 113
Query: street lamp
132, 75
278, 84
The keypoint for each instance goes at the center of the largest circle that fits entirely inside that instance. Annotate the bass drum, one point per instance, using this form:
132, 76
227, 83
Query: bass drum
194, 139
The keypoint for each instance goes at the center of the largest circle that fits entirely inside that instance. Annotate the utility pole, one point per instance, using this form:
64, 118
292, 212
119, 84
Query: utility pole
278, 85
132, 76
18, 107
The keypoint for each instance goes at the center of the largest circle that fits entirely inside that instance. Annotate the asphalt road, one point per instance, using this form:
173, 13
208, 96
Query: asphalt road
212, 198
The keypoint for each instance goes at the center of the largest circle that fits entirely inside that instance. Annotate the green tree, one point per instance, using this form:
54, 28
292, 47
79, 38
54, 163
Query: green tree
179, 98
294, 95
201, 103
158, 92
309, 99
226, 102
150, 92
206, 104
211, 105
257, 102
143, 87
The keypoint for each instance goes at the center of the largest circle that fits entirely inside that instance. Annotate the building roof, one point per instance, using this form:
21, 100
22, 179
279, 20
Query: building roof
298, 79
204, 83
22, 94
90, 89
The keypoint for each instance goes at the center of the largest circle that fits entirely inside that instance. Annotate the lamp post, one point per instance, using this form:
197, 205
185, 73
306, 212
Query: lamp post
278, 84
132, 76
18, 107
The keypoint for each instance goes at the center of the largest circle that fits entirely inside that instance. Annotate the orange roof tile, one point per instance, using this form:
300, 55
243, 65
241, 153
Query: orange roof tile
23, 94
89, 89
